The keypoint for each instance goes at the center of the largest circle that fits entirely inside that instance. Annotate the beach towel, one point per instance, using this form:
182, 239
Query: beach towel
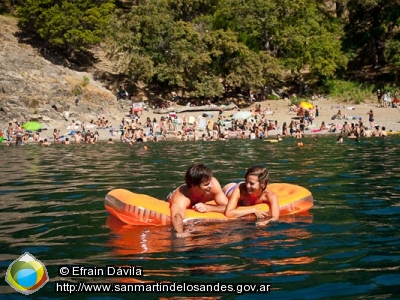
210, 125
202, 124
191, 120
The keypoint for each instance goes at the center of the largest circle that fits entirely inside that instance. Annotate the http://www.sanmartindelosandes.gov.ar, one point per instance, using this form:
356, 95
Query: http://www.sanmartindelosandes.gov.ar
26, 274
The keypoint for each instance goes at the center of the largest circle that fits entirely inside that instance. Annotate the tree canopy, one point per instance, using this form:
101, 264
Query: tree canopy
73, 26
210, 48
372, 26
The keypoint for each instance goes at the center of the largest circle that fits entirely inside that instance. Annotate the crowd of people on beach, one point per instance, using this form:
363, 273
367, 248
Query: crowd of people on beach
255, 127
17, 135
259, 125
387, 99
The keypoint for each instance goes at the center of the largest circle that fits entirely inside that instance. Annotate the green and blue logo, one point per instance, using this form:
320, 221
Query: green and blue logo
26, 274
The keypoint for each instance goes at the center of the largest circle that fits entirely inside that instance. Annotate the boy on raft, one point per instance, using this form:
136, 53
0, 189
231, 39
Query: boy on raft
200, 186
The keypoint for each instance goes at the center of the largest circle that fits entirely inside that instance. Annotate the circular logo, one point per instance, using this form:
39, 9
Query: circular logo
27, 274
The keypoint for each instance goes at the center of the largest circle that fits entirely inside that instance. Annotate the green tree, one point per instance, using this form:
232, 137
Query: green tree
254, 21
392, 52
191, 56
206, 47
272, 72
138, 41
302, 34
189, 10
8, 6
372, 26
175, 51
233, 62
73, 26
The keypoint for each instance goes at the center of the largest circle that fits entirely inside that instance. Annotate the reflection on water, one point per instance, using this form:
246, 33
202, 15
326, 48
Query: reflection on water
51, 205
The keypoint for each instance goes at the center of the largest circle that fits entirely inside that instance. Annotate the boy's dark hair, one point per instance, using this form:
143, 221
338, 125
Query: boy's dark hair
197, 174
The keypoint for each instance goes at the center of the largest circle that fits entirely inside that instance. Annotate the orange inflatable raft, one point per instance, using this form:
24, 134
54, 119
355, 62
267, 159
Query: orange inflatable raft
140, 209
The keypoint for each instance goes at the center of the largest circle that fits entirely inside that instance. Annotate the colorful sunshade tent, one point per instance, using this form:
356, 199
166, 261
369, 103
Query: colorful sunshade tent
137, 107
242, 115
306, 105
33, 126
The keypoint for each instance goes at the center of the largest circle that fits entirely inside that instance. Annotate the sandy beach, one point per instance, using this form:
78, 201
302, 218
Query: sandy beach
388, 117
98, 101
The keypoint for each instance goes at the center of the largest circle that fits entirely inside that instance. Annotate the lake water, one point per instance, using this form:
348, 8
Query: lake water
347, 246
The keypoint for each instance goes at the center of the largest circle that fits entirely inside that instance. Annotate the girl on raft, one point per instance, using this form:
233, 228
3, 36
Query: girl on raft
250, 192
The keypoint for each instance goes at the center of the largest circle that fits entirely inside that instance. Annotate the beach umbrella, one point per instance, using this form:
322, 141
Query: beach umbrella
33, 126
306, 105
137, 107
242, 115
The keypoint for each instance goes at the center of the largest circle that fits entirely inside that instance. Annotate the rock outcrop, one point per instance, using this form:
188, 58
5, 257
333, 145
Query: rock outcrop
33, 88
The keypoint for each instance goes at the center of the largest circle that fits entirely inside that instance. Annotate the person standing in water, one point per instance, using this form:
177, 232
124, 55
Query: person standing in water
371, 119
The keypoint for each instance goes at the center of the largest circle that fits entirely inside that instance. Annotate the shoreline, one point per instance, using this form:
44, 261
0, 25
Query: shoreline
383, 117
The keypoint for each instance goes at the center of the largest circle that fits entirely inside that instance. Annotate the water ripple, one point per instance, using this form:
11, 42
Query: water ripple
52, 205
